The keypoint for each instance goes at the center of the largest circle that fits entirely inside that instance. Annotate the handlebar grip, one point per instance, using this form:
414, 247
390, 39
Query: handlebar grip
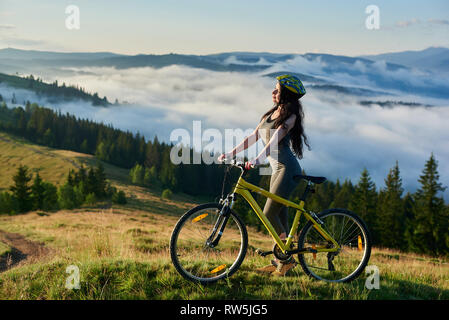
236, 163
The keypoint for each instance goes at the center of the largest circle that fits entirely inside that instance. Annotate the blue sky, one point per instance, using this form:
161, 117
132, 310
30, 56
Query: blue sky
209, 26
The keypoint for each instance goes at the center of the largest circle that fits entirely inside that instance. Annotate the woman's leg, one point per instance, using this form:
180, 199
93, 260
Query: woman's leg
281, 184
283, 217
272, 208
277, 214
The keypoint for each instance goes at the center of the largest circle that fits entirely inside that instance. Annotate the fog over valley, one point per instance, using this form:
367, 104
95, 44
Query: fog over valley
358, 113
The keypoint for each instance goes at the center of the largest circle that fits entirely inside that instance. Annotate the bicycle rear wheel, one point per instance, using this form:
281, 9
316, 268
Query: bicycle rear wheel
193, 251
354, 239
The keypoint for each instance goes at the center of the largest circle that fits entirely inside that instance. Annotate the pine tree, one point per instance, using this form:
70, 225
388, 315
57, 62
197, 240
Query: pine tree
100, 188
102, 152
136, 174
6, 203
21, 190
343, 194
364, 200
84, 148
48, 138
169, 171
390, 213
91, 185
38, 192
119, 197
67, 197
430, 225
153, 156
50, 196
149, 178
409, 222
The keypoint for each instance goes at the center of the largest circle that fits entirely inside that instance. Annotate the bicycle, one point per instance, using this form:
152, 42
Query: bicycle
334, 245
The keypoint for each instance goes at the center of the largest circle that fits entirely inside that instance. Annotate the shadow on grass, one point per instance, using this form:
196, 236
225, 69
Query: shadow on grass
150, 206
158, 280
395, 289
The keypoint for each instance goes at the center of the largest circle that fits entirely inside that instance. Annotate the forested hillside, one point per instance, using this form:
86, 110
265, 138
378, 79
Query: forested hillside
51, 91
397, 219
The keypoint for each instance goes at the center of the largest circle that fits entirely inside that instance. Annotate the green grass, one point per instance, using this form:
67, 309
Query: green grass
122, 252
112, 278
53, 165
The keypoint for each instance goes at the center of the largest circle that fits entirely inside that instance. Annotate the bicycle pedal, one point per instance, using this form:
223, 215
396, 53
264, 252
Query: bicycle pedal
263, 253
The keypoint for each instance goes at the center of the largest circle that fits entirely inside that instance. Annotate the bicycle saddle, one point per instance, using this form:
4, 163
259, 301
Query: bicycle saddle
316, 180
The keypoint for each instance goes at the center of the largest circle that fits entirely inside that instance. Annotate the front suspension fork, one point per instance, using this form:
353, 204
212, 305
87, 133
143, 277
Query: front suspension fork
220, 225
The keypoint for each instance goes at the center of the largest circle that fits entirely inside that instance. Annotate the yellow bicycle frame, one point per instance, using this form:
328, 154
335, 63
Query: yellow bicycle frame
242, 187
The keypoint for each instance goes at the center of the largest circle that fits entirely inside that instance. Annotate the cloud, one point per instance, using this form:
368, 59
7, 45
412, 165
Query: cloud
376, 75
345, 136
438, 21
416, 21
234, 60
408, 23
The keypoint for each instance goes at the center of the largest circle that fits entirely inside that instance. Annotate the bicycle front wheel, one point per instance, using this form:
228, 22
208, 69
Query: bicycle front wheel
194, 250
354, 240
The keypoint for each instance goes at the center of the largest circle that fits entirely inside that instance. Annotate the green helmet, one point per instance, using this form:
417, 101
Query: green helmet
292, 83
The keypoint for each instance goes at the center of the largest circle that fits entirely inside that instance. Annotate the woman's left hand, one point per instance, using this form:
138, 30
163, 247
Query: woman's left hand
251, 164
248, 165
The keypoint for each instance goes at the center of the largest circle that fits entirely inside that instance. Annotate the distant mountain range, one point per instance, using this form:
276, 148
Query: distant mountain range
433, 58
383, 74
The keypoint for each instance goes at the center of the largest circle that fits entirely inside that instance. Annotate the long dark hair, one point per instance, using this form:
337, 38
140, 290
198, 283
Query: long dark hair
290, 104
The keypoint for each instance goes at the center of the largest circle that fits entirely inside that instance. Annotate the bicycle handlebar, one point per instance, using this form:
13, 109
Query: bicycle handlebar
235, 163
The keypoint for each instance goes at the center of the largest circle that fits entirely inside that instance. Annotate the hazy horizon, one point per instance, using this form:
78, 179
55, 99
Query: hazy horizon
212, 53
345, 136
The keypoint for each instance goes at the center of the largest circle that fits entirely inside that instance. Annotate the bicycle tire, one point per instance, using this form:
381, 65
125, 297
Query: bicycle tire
178, 229
365, 243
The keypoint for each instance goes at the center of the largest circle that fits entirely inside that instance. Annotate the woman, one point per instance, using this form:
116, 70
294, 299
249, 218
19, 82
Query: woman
279, 127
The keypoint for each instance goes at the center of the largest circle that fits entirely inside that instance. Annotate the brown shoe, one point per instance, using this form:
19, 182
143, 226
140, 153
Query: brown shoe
269, 268
284, 267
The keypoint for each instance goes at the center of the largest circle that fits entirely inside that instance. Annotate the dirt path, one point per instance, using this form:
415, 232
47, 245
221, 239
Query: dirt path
22, 250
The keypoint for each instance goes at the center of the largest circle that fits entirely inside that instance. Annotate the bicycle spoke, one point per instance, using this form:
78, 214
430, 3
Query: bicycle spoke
353, 223
340, 265
198, 260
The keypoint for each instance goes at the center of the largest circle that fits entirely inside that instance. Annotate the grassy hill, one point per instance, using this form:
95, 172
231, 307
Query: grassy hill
52, 164
122, 252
